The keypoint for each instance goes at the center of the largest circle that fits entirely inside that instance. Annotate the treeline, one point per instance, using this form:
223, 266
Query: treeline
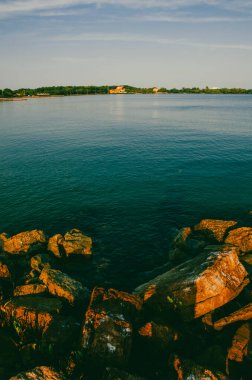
93, 90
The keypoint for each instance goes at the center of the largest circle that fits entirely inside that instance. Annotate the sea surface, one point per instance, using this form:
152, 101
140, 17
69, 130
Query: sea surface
128, 170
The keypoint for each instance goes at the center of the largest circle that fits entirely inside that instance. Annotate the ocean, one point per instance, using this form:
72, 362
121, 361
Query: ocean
128, 170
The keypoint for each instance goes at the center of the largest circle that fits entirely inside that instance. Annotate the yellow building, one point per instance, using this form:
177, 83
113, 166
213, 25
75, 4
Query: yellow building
155, 90
118, 90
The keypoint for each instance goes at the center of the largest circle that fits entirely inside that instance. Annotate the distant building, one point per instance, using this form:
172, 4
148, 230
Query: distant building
214, 88
43, 94
155, 90
118, 90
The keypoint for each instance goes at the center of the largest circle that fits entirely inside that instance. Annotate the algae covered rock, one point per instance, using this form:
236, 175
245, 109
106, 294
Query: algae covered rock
24, 242
197, 286
61, 285
72, 243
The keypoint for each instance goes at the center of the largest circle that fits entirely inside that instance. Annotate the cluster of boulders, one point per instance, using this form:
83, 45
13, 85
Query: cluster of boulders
193, 322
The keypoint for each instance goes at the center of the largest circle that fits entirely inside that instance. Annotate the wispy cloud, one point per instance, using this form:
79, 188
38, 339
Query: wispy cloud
13, 7
117, 37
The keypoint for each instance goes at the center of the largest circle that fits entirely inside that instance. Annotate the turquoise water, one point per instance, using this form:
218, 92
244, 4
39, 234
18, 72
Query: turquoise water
125, 169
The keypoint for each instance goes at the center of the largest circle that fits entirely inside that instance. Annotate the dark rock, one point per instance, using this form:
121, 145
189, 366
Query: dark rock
107, 331
117, 374
161, 336
61, 285
197, 286
187, 370
39, 373
241, 238
24, 243
213, 229
63, 332
72, 243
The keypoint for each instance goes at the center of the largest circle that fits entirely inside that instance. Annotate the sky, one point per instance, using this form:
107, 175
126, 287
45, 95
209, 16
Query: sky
170, 43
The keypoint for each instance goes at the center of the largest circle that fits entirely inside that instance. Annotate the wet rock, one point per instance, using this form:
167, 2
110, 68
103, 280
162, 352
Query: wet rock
31, 314
239, 348
40, 261
72, 243
24, 242
24, 290
107, 331
161, 336
39, 373
197, 286
242, 314
242, 238
117, 374
214, 229
61, 285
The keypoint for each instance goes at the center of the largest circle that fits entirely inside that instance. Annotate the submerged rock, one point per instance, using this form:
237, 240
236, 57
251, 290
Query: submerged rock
24, 242
107, 331
242, 238
61, 285
31, 313
214, 229
72, 243
196, 287
39, 373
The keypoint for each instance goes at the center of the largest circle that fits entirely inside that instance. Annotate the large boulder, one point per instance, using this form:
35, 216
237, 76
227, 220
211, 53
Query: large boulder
31, 314
197, 286
39, 373
214, 229
73, 242
61, 285
107, 331
242, 238
24, 242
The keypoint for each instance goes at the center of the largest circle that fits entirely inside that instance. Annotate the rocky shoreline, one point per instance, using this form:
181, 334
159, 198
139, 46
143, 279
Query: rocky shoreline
192, 322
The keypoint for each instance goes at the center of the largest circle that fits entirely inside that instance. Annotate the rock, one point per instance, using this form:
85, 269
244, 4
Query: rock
23, 243
197, 286
107, 331
187, 370
40, 261
214, 229
29, 289
242, 238
239, 348
180, 240
117, 374
242, 314
31, 313
63, 332
39, 373
161, 336
73, 243
61, 285
4, 271
9, 356
32, 277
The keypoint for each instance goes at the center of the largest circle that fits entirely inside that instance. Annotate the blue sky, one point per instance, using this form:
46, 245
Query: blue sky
171, 43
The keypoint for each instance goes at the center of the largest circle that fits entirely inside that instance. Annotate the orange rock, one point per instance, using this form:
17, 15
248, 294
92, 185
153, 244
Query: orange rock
242, 314
73, 243
40, 261
33, 313
107, 331
198, 286
24, 290
4, 271
242, 238
25, 242
61, 285
39, 373
239, 348
215, 229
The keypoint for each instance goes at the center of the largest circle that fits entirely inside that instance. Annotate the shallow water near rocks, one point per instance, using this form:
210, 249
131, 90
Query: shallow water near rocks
127, 170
